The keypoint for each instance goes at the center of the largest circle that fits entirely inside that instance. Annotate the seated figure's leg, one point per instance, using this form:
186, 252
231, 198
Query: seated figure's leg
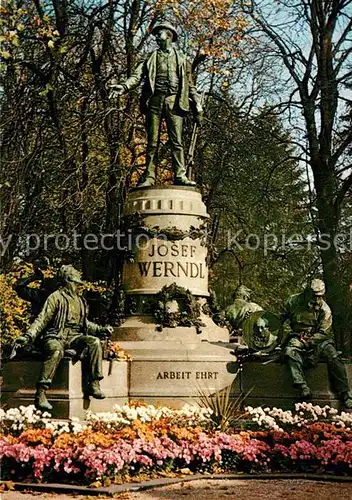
53, 351
337, 372
92, 363
293, 355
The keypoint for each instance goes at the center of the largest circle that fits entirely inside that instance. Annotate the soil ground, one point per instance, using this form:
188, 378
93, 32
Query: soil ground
292, 489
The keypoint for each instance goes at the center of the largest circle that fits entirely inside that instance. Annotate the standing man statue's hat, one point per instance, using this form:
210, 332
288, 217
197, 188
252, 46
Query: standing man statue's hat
167, 90
165, 26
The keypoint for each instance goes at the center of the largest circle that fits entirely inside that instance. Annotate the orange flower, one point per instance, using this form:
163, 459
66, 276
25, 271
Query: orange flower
84, 438
33, 437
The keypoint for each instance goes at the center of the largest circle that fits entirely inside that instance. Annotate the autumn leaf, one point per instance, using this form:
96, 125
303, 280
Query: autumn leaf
5, 54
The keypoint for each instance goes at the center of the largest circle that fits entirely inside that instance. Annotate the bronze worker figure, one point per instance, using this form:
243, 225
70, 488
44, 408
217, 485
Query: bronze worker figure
61, 325
241, 308
167, 89
311, 341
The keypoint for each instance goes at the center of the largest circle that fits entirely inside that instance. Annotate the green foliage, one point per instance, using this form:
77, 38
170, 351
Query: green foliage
14, 312
226, 410
255, 192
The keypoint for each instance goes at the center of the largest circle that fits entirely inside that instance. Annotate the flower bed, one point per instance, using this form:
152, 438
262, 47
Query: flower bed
130, 441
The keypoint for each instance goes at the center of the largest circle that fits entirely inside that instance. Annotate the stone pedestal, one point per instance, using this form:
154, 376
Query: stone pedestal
171, 257
173, 373
271, 385
168, 373
20, 378
170, 365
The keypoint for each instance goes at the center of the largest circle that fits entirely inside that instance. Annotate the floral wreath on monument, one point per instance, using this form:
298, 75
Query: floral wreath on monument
188, 313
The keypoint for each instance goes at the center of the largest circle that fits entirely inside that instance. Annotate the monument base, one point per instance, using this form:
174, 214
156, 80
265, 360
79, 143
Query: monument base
167, 373
161, 372
20, 378
271, 385
175, 372
170, 366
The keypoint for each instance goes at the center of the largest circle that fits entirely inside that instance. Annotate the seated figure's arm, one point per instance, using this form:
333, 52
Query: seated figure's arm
93, 328
98, 330
285, 333
43, 319
324, 321
26, 292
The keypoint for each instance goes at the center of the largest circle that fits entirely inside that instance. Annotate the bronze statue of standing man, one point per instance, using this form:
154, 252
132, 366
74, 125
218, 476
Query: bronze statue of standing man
167, 90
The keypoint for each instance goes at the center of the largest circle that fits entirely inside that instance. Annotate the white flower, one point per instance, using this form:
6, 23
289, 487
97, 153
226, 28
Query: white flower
333, 411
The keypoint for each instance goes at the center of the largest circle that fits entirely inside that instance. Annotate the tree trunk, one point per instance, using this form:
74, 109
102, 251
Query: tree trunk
327, 223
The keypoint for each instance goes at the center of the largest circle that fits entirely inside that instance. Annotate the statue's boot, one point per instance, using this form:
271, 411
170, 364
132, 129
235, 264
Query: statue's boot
305, 392
94, 390
148, 178
40, 401
150, 181
183, 181
347, 400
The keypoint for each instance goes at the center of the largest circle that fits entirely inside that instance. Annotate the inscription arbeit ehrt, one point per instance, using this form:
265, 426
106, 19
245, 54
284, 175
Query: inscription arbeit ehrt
183, 375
